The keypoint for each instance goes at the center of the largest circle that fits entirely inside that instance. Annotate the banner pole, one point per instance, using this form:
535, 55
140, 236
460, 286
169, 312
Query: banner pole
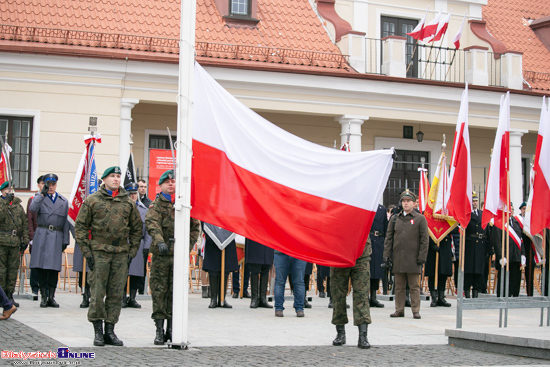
507, 287
501, 293
460, 291
222, 280
543, 275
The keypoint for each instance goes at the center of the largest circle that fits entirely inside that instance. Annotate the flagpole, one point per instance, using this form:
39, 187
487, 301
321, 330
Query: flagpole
182, 205
450, 65
222, 280
501, 270
507, 287
543, 273
460, 290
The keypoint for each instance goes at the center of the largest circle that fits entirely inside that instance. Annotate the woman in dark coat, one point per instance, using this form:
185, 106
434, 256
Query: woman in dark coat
444, 270
260, 260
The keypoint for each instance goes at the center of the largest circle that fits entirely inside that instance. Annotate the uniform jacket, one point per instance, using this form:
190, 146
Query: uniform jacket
115, 224
407, 242
256, 253
496, 241
159, 222
31, 218
137, 266
47, 244
13, 218
475, 245
377, 236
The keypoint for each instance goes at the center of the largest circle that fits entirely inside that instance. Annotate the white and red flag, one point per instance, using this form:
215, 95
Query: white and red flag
4, 162
418, 32
458, 35
424, 189
540, 208
253, 178
497, 191
441, 28
85, 181
459, 201
430, 29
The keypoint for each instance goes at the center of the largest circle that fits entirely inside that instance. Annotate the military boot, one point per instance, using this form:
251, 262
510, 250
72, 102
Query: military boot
98, 333
159, 335
330, 302
214, 289
255, 291
124, 302
10, 296
51, 299
466, 293
263, 291
44, 299
168, 333
205, 291
441, 299
85, 297
132, 300
340, 336
475, 293
306, 303
224, 304
433, 299
363, 342
373, 302
110, 337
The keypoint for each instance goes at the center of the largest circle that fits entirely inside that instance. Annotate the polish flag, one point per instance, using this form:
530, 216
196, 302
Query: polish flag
525, 223
418, 32
459, 200
430, 29
441, 28
4, 161
458, 36
424, 189
496, 193
253, 178
540, 209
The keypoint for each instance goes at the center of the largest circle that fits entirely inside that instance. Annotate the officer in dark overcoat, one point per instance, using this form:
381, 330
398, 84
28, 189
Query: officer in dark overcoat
212, 264
259, 259
475, 252
377, 236
444, 270
50, 239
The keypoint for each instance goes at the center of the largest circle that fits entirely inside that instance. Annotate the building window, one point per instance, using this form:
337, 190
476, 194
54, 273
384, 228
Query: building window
19, 132
239, 7
392, 26
160, 142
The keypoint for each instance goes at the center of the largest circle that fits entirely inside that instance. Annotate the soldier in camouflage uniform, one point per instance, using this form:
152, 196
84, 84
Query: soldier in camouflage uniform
360, 282
14, 237
108, 229
160, 225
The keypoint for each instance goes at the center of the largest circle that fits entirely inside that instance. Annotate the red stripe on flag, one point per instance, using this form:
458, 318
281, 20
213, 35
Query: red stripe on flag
459, 205
540, 218
301, 225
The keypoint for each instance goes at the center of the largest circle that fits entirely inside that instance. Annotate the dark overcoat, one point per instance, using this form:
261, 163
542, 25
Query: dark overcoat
256, 253
377, 236
137, 266
445, 266
47, 244
474, 245
213, 256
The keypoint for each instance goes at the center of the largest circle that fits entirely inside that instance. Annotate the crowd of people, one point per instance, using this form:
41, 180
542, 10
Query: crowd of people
118, 229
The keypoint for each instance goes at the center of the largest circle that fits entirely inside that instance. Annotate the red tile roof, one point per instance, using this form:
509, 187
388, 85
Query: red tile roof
289, 31
508, 21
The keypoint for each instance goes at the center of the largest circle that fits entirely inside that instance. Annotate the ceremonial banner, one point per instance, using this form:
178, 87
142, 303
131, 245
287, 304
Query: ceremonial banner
221, 237
160, 160
85, 182
4, 162
251, 177
130, 173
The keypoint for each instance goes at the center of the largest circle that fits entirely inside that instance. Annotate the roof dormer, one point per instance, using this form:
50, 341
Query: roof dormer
238, 11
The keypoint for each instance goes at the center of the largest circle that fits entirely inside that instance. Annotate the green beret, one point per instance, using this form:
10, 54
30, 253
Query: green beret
108, 171
523, 204
166, 175
408, 195
4, 185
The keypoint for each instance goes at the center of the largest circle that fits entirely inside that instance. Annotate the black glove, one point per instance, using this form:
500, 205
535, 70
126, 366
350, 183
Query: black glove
44, 190
64, 247
91, 262
145, 254
22, 247
163, 248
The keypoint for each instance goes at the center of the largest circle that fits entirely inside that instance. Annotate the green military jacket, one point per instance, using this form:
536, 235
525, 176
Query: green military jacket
159, 222
14, 229
113, 222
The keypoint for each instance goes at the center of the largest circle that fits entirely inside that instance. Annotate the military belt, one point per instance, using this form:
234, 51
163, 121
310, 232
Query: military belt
477, 235
116, 242
376, 233
12, 233
50, 227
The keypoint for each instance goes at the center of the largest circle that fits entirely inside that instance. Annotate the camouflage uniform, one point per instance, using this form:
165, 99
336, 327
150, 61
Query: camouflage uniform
160, 225
14, 235
360, 282
116, 230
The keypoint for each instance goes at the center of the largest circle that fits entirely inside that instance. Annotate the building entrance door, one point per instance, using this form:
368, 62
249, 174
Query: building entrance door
404, 174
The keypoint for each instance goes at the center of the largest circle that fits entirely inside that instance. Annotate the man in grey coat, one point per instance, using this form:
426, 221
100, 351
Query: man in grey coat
406, 246
50, 239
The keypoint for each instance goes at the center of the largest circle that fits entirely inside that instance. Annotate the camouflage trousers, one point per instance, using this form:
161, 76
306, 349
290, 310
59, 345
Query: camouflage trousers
9, 265
107, 282
360, 283
161, 286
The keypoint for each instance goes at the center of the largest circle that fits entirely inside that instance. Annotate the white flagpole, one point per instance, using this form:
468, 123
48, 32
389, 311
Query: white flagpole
180, 306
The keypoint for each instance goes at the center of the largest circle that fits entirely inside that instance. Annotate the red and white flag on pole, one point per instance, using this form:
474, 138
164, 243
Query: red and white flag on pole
253, 178
496, 193
418, 32
4, 162
440, 30
458, 35
540, 204
424, 189
430, 29
459, 202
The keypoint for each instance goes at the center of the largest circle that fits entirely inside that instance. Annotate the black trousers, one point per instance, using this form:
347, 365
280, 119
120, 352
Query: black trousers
35, 286
136, 283
515, 280
441, 283
529, 270
80, 279
473, 281
485, 276
47, 278
236, 278
256, 269
374, 285
321, 285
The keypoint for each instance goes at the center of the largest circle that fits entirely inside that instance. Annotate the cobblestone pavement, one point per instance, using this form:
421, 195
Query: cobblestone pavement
15, 336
